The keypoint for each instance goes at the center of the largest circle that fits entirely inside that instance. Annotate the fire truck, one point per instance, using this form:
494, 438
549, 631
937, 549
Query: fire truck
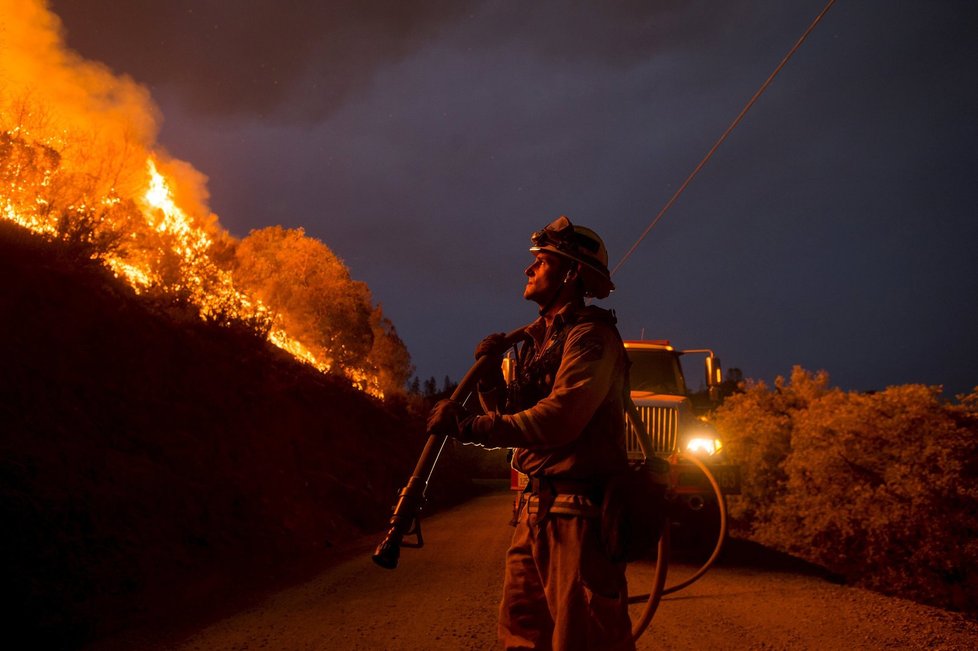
675, 419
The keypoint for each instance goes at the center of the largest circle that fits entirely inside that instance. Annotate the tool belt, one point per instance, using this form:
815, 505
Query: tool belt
562, 497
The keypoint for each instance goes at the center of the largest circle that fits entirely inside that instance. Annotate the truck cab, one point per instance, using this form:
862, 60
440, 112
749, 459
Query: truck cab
675, 421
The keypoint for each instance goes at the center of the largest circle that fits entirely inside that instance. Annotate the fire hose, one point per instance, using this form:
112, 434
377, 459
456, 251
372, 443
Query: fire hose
659, 588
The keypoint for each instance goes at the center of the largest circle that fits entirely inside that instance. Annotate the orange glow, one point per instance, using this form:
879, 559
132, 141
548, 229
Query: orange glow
78, 159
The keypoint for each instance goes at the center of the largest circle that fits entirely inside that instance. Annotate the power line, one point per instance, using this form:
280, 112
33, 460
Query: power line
733, 125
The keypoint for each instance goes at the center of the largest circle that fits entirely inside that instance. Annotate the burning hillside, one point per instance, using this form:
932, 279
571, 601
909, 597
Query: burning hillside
149, 464
154, 448
152, 468
79, 164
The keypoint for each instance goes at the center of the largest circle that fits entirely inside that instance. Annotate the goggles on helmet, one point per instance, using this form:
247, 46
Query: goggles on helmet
561, 235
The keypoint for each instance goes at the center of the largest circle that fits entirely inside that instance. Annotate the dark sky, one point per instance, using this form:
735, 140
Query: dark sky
423, 141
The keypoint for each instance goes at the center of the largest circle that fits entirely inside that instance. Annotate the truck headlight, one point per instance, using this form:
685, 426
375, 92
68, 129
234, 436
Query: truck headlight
703, 445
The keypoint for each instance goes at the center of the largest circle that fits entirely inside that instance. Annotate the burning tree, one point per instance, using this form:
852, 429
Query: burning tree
320, 303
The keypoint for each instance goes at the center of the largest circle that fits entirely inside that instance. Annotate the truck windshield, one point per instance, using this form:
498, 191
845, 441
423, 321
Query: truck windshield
657, 371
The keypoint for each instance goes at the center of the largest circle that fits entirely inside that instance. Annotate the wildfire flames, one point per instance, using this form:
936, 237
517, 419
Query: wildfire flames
192, 245
78, 161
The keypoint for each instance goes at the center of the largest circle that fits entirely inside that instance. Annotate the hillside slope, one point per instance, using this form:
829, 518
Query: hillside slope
147, 459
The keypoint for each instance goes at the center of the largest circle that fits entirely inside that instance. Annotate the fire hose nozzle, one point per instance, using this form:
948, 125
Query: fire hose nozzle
387, 553
405, 521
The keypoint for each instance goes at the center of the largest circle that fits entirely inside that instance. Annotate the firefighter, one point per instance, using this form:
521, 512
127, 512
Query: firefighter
563, 414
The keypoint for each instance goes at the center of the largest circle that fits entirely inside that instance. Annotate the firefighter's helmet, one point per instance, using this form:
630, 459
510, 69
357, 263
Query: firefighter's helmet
582, 245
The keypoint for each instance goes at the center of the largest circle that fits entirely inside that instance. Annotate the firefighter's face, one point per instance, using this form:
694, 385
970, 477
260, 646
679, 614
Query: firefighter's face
544, 277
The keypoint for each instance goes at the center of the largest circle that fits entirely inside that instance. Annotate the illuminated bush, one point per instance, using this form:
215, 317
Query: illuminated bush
757, 426
879, 487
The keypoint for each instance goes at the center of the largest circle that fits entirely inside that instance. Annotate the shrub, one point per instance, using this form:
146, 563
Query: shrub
757, 427
879, 487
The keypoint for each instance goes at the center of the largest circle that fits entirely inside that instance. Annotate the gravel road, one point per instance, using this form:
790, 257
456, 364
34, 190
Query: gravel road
444, 596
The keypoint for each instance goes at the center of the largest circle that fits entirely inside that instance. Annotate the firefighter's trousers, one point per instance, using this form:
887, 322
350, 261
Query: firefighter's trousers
561, 591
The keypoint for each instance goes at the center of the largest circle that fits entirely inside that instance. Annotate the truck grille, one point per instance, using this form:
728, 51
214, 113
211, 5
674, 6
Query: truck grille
663, 426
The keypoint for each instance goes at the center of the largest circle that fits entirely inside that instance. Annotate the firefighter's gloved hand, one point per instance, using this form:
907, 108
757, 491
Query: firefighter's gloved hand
449, 418
446, 418
494, 346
